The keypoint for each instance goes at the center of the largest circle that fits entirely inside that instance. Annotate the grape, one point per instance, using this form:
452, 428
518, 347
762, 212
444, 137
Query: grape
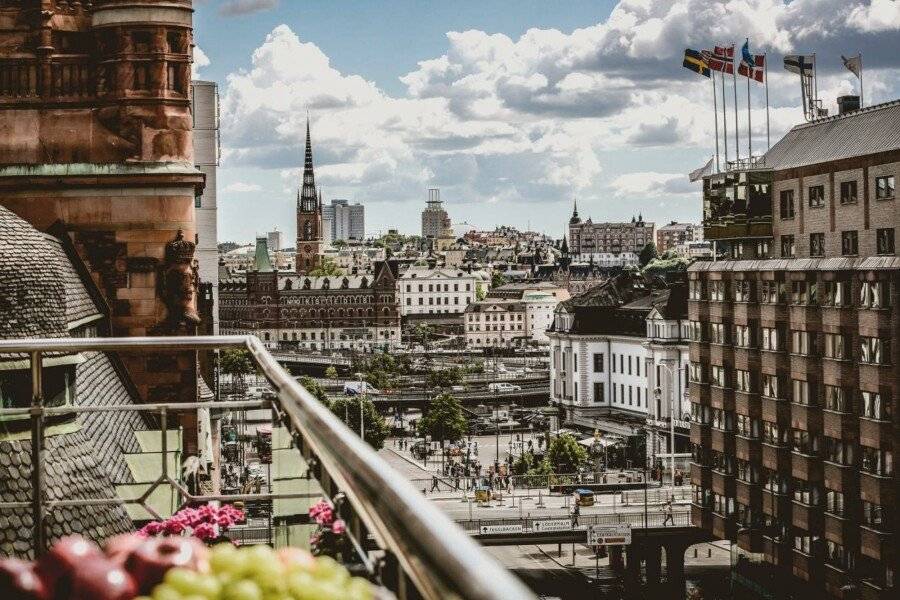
183, 581
359, 589
164, 591
243, 590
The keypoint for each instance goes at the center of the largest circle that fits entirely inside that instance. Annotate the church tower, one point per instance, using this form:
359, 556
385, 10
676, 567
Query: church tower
309, 216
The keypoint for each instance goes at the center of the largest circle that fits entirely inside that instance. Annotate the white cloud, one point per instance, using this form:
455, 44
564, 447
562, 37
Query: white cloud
880, 15
201, 60
652, 185
239, 187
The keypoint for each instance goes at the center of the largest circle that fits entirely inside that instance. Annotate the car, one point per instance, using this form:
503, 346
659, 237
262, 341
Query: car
502, 386
458, 388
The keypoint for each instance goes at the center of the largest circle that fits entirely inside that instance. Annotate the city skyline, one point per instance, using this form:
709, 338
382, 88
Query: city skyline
512, 115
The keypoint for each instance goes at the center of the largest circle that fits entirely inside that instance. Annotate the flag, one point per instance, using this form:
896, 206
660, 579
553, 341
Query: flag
752, 65
693, 60
853, 64
802, 64
702, 172
720, 58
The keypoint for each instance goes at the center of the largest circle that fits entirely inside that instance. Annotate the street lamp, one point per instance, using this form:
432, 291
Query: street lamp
657, 393
362, 432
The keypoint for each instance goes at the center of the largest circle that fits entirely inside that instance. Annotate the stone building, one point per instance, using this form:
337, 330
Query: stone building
500, 323
794, 360
422, 290
669, 237
310, 241
434, 218
95, 110
290, 310
601, 241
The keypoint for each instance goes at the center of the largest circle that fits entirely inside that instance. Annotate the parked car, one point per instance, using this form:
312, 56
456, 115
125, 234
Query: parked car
502, 386
356, 388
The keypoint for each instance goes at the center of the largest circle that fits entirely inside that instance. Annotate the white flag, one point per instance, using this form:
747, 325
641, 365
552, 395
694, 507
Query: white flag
853, 64
702, 172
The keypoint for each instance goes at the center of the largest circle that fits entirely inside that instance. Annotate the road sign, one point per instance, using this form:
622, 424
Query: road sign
501, 529
552, 525
609, 535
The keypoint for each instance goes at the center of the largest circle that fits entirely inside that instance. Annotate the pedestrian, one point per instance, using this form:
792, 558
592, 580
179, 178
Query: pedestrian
670, 518
434, 484
576, 512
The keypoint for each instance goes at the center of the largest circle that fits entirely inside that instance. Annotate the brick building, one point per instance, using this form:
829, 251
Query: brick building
794, 358
668, 237
589, 240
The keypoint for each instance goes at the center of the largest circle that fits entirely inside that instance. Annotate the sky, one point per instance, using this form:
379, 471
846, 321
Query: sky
514, 109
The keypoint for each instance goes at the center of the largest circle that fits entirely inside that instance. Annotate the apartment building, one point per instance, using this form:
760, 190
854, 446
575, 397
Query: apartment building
587, 239
794, 360
422, 291
495, 322
669, 237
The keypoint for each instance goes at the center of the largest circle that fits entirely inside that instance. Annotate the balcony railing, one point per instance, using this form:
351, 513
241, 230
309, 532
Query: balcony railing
404, 542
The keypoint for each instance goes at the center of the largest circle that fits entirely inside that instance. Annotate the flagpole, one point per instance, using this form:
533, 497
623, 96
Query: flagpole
749, 127
766, 75
737, 137
724, 121
860, 80
815, 89
712, 77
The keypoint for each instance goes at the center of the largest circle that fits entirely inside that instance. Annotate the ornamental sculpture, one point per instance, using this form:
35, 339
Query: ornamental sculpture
179, 283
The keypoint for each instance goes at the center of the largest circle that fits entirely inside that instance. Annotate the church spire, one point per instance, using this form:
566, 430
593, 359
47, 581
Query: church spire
575, 218
308, 200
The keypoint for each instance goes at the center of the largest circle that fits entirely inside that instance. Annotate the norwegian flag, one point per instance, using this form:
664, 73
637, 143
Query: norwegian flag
720, 58
756, 70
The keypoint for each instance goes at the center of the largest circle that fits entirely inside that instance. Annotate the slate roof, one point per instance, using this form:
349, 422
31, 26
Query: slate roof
80, 306
870, 130
100, 382
71, 472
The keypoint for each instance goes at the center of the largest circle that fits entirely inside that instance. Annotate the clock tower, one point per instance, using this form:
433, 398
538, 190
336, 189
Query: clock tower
309, 217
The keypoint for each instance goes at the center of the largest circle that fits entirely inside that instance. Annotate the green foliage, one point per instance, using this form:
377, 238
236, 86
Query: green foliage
498, 279
382, 369
338, 244
331, 372
374, 424
444, 378
444, 419
566, 455
313, 387
647, 254
480, 294
236, 362
327, 268
666, 264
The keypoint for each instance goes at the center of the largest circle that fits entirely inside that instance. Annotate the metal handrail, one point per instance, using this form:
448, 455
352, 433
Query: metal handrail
438, 558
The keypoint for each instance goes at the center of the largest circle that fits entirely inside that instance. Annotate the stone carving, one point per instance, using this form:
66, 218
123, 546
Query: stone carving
179, 282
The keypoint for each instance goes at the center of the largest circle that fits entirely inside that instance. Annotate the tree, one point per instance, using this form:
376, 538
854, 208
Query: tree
374, 425
236, 363
338, 244
326, 268
444, 378
312, 386
498, 279
647, 254
666, 264
480, 294
566, 455
444, 419
331, 372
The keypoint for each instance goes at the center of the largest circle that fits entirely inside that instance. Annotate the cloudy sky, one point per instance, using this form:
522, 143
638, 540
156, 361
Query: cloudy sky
512, 107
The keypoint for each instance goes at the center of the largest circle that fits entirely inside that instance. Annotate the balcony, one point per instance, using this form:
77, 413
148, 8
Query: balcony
723, 483
806, 417
396, 538
807, 517
841, 530
842, 478
777, 551
838, 316
806, 466
874, 543
839, 425
701, 517
746, 359
749, 494
877, 489
772, 314
746, 403
723, 527
701, 434
875, 434
750, 539
701, 475
805, 566
776, 458
721, 397
776, 505
747, 448
722, 441
839, 372
776, 410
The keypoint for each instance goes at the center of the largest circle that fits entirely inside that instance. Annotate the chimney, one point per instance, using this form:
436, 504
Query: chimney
847, 104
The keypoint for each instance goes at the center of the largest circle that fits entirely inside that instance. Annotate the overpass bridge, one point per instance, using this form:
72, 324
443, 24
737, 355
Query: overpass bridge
536, 395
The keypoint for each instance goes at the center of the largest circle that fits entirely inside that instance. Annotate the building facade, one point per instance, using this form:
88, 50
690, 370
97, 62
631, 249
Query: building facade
435, 219
498, 323
275, 240
343, 221
587, 238
205, 112
309, 217
421, 290
669, 237
293, 311
794, 360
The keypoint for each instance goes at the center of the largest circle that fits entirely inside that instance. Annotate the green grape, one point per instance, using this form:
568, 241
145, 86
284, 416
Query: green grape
243, 590
329, 569
359, 589
164, 591
183, 581
227, 562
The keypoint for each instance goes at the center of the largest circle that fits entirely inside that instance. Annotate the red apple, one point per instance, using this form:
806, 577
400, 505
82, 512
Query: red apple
62, 560
19, 581
118, 548
102, 579
149, 562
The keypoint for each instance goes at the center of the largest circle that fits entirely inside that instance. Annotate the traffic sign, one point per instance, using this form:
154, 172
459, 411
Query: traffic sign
501, 529
552, 525
609, 535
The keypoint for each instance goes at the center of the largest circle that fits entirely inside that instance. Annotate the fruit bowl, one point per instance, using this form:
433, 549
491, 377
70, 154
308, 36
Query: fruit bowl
133, 567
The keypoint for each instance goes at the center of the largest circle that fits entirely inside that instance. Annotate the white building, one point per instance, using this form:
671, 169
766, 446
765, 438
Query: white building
495, 322
275, 238
205, 111
421, 290
355, 259
611, 347
608, 259
343, 221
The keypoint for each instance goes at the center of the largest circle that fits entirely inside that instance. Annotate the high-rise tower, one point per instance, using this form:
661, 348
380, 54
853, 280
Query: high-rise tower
309, 216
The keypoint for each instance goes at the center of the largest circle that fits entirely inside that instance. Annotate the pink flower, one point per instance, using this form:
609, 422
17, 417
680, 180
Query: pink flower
174, 526
338, 527
205, 531
152, 528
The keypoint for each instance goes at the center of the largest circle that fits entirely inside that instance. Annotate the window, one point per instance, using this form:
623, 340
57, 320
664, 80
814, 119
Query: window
762, 249
837, 399
772, 339
695, 290
697, 373
817, 244
837, 293
722, 419
746, 471
834, 502
838, 451
849, 243
742, 291
838, 556
877, 461
807, 493
598, 390
787, 246
884, 187
804, 392
743, 382
874, 294
598, 363
816, 196
873, 514
803, 292
717, 333
884, 241
874, 351
803, 342
876, 406
774, 435
848, 192
773, 292
743, 336
198, 200
837, 346
719, 377
787, 204
717, 291
747, 427
804, 542
804, 442
695, 331
612, 363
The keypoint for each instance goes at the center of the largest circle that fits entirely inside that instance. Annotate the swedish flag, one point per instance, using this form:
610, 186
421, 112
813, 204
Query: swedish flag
694, 61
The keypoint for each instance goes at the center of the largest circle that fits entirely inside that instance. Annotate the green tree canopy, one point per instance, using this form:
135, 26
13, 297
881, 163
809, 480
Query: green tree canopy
327, 268
444, 378
374, 424
331, 372
236, 362
444, 419
480, 294
498, 279
313, 387
648, 253
566, 455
